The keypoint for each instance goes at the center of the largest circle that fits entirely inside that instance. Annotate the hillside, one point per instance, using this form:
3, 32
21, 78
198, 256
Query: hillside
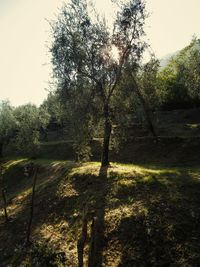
148, 215
105, 171
146, 202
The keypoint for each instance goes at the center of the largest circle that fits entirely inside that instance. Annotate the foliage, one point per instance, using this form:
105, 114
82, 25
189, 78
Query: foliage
21, 126
179, 81
147, 83
54, 108
137, 98
173, 94
7, 121
29, 121
188, 71
7, 124
84, 65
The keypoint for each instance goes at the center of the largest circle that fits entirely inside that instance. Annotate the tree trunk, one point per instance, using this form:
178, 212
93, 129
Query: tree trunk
106, 139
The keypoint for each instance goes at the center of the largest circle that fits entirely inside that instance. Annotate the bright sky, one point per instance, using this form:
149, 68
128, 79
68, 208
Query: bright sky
24, 63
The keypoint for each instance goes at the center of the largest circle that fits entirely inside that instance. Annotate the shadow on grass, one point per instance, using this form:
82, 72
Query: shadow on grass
92, 189
19, 190
158, 221
163, 228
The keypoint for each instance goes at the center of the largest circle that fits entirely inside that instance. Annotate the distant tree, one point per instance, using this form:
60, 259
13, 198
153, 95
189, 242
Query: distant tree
44, 120
139, 84
145, 87
54, 107
147, 82
56, 111
173, 93
86, 72
8, 124
179, 81
21, 126
29, 120
188, 69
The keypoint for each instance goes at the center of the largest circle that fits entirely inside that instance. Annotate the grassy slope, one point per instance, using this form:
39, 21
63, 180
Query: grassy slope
149, 215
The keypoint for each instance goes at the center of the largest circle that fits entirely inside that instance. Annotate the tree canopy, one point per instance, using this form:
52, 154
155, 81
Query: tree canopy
86, 73
21, 127
179, 81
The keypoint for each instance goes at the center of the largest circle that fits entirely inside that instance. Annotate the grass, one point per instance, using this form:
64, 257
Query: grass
13, 162
149, 214
56, 142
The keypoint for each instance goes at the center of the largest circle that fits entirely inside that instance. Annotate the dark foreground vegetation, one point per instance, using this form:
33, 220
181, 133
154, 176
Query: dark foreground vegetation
106, 171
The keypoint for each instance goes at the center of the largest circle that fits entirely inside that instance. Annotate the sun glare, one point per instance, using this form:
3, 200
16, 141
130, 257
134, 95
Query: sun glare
114, 53
110, 54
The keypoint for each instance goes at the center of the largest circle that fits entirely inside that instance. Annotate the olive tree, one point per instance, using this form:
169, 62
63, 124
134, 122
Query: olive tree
187, 65
179, 81
84, 68
7, 124
144, 86
21, 126
30, 121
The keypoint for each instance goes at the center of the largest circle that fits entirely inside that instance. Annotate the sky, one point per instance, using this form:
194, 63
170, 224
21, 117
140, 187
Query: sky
24, 34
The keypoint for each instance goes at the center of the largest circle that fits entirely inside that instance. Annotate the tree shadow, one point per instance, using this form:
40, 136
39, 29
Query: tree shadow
13, 234
161, 229
93, 189
165, 231
100, 204
78, 188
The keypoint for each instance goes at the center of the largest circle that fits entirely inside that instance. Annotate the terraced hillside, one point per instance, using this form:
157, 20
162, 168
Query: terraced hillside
145, 204
148, 215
